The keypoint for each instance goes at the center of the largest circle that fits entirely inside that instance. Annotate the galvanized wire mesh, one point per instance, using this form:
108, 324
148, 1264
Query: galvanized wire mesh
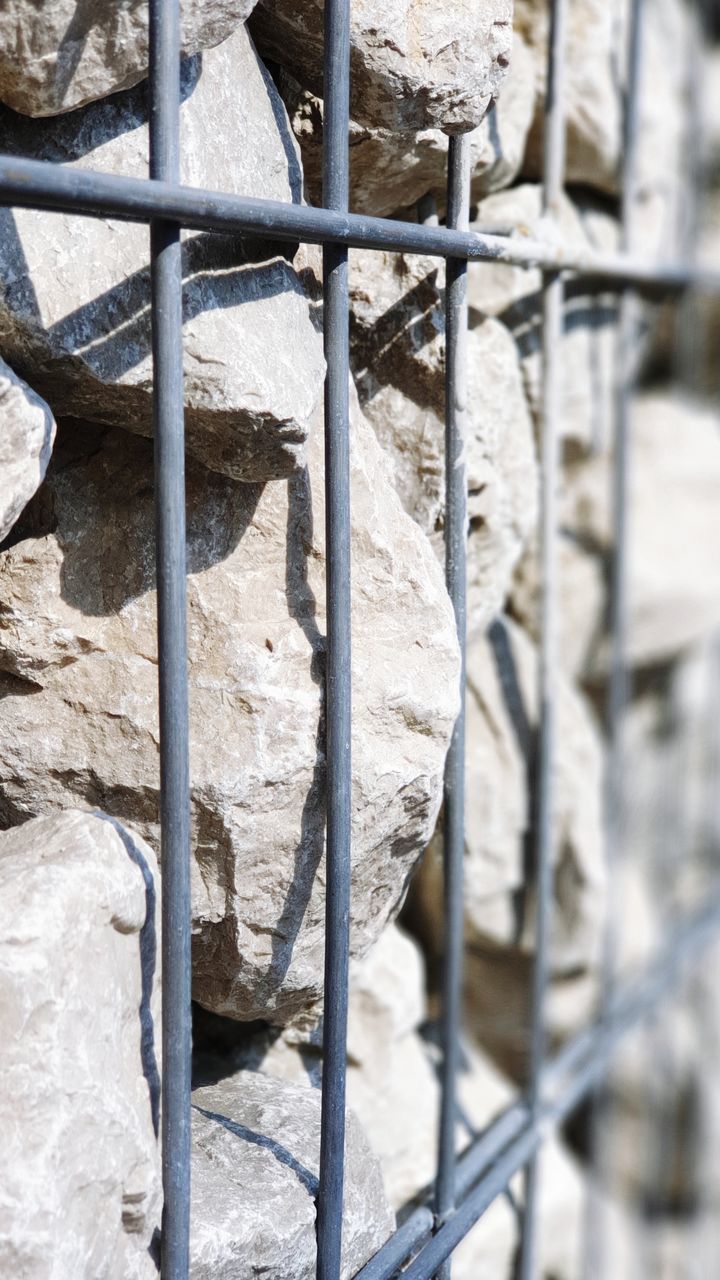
466, 1184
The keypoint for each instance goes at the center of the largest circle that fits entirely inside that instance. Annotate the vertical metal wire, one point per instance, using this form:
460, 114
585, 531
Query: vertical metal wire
456, 323
552, 323
338, 707
618, 611
168, 413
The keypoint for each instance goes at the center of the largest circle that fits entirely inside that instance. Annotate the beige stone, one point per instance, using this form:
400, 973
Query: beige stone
253, 356
256, 1156
390, 171
78, 637
583, 593
398, 358
79, 1003
595, 62
59, 55
499, 917
27, 431
514, 295
674, 473
413, 66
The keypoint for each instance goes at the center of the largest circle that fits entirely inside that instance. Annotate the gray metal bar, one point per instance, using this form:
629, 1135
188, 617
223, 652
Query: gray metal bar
618, 687
402, 1244
456, 320
338, 706
41, 185
168, 415
552, 325
638, 1002
470, 1167
473, 1163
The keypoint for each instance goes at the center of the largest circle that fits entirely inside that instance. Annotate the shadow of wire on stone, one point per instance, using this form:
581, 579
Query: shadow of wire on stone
148, 961
308, 1179
526, 738
302, 606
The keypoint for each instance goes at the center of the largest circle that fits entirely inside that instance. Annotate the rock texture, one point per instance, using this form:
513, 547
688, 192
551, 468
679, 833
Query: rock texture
499, 915
393, 1090
58, 56
83, 337
256, 1155
390, 171
674, 577
595, 70
413, 66
592, 98
80, 1009
513, 295
27, 431
398, 358
77, 620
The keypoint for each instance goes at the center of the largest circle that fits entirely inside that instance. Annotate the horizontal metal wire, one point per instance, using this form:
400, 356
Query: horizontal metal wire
40, 184
507, 1145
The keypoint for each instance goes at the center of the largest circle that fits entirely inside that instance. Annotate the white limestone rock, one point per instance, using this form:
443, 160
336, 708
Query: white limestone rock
398, 358
595, 61
413, 65
499, 916
390, 171
256, 1156
27, 431
61, 54
79, 984
514, 295
75, 294
674, 524
79, 722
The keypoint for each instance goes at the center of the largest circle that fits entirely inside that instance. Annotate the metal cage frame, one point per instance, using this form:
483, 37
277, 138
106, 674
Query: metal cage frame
468, 1183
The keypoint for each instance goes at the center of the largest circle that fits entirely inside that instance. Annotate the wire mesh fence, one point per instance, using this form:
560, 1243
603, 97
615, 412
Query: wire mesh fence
559, 1082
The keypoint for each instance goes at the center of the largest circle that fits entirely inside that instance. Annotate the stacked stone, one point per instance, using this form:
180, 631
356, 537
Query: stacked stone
79, 781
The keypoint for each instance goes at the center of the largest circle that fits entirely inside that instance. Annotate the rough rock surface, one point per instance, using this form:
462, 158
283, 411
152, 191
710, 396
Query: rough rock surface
595, 68
499, 917
79, 976
513, 295
79, 723
256, 1155
393, 1091
56, 56
83, 337
398, 358
412, 65
390, 171
592, 98
674, 524
27, 431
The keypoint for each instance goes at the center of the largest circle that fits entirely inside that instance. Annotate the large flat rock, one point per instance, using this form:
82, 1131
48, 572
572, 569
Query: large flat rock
79, 722
75, 294
79, 1010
